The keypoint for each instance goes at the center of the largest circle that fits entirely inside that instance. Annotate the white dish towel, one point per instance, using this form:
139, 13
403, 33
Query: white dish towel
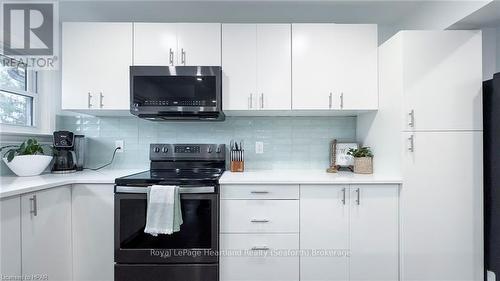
164, 215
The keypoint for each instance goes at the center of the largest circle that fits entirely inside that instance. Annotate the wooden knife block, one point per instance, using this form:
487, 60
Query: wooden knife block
237, 166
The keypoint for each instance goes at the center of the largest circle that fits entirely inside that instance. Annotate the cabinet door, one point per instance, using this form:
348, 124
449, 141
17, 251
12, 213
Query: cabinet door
93, 232
46, 233
10, 236
199, 44
112, 59
259, 264
239, 65
312, 59
324, 225
96, 61
155, 44
274, 69
78, 80
442, 207
443, 80
374, 233
355, 53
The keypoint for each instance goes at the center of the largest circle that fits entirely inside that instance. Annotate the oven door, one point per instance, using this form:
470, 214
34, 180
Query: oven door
176, 91
196, 242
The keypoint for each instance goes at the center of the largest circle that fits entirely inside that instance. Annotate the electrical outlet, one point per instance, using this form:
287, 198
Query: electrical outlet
119, 143
259, 147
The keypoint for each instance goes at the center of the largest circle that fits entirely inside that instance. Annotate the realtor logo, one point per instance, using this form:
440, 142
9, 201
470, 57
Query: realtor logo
28, 29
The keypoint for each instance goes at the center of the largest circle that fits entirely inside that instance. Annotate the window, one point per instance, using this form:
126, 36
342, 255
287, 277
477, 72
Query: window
17, 93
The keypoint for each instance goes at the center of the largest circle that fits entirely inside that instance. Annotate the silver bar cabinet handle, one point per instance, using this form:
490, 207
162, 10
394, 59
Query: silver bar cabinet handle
259, 192
250, 101
411, 114
89, 100
341, 100
262, 248
171, 56
183, 56
260, 220
358, 200
262, 100
101, 96
411, 148
330, 100
343, 196
33, 207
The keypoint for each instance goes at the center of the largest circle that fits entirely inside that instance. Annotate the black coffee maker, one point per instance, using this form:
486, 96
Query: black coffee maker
68, 148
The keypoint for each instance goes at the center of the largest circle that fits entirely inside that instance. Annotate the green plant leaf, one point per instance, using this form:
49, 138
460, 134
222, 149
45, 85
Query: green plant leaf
10, 155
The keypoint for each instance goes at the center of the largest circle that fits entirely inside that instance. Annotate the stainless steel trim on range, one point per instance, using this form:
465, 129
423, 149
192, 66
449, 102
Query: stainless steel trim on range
176, 92
142, 189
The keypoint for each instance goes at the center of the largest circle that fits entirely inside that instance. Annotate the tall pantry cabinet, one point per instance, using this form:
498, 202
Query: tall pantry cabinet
429, 124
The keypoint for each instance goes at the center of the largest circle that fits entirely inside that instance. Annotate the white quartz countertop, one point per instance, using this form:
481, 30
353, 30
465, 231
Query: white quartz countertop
12, 185
305, 177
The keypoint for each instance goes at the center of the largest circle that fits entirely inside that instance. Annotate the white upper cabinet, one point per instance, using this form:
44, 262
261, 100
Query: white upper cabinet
46, 233
334, 66
95, 67
312, 60
155, 44
199, 44
177, 44
274, 66
239, 66
256, 62
442, 80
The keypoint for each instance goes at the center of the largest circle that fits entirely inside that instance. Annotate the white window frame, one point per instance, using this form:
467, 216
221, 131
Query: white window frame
42, 118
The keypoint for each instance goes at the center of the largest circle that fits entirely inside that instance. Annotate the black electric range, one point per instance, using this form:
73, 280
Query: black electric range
189, 254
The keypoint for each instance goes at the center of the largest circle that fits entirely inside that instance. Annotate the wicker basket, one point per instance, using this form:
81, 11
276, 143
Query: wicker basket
363, 165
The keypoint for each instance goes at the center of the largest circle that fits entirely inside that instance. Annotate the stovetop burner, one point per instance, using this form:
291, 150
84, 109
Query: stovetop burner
180, 164
172, 176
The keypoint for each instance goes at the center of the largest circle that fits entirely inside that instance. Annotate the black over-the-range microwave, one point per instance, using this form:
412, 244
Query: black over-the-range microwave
176, 92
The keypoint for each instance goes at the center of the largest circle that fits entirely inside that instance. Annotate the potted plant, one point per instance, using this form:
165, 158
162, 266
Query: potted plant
26, 159
363, 160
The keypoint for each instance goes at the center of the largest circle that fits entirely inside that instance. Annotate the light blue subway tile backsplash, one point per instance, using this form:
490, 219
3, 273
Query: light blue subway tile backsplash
289, 142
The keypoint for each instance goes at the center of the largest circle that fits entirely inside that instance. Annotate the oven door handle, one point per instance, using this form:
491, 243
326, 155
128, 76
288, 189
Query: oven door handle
144, 190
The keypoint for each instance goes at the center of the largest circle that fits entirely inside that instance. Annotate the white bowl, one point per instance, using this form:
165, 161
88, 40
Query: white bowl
28, 165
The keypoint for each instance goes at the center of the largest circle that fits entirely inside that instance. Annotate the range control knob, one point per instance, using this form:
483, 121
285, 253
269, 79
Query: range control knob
218, 149
209, 149
164, 149
156, 149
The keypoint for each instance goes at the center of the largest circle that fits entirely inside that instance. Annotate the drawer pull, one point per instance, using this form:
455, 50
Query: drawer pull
259, 192
262, 220
262, 248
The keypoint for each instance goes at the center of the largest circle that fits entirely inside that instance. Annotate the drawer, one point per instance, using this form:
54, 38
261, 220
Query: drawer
259, 191
259, 216
239, 262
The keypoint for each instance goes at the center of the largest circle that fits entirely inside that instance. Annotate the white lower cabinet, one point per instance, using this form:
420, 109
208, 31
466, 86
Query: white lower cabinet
259, 216
10, 236
374, 233
259, 237
252, 257
46, 233
324, 226
442, 234
359, 220
93, 232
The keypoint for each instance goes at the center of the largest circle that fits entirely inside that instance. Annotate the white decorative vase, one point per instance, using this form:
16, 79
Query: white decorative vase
28, 165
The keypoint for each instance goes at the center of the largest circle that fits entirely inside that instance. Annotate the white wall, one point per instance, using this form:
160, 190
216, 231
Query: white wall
491, 52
